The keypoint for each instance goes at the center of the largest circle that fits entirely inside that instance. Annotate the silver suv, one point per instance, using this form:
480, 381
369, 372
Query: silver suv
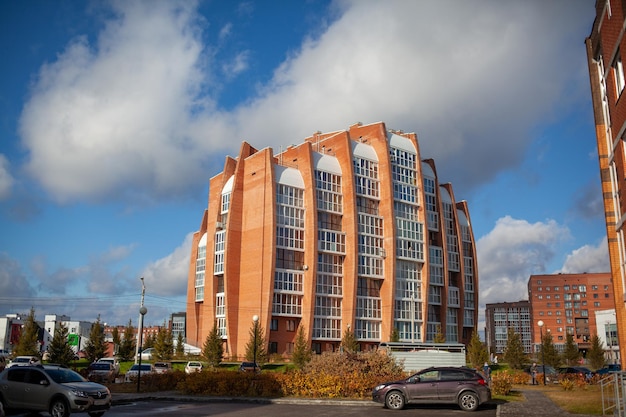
52, 388
464, 386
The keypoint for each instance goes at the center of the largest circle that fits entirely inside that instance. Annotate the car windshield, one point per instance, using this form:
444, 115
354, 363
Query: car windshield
143, 368
63, 376
101, 366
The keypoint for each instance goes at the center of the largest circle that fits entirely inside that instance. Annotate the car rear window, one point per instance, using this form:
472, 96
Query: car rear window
453, 375
16, 374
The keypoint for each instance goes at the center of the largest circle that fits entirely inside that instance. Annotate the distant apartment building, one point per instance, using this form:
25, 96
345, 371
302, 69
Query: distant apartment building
178, 322
349, 230
605, 46
10, 330
78, 331
500, 317
567, 303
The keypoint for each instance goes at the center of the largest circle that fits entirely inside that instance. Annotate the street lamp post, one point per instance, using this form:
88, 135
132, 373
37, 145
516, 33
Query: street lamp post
255, 319
543, 362
142, 311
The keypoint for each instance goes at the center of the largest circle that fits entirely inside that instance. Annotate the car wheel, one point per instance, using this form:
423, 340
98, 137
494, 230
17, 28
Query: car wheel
394, 400
468, 401
3, 405
59, 408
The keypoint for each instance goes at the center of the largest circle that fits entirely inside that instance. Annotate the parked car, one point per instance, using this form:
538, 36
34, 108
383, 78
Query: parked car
249, 367
53, 389
147, 354
24, 361
608, 369
579, 371
133, 372
193, 366
459, 385
112, 361
162, 367
101, 372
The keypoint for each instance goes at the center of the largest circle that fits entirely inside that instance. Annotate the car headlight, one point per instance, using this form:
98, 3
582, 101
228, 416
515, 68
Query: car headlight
379, 387
79, 393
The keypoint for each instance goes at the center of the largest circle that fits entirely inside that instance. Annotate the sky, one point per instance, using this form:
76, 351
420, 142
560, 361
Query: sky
114, 115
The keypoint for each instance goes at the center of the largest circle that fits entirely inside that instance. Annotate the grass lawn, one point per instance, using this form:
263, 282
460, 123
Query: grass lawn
587, 400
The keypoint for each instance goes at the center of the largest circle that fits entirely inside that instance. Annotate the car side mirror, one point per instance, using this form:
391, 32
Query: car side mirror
44, 382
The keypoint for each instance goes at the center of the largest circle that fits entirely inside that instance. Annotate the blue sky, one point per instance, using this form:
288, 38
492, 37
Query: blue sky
115, 114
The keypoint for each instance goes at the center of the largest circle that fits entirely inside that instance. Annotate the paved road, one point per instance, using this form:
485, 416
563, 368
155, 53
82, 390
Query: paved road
205, 409
158, 408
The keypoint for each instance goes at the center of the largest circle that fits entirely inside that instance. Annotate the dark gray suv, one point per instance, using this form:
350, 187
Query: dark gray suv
52, 388
463, 386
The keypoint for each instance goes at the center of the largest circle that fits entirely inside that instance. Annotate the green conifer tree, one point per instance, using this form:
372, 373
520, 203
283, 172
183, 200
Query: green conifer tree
571, 354
28, 343
60, 350
477, 353
95, 348
213, 349
439, 336
349, 343
301, 352
180, 345
127, 346
164, 344
148, 342
551, 356
395, 335
261, 353
514, 351
595, 354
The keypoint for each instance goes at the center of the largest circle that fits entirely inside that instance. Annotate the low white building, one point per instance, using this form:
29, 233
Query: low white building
607, 332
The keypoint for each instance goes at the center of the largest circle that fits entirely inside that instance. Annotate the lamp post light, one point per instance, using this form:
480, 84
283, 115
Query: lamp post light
543, 362
255, 319
142, 312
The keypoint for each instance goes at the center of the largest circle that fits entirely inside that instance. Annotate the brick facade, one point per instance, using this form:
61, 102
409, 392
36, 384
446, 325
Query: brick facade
605, 52
332, 234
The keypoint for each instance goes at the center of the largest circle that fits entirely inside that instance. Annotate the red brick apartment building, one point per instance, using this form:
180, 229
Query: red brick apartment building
347, 230
566, 303
605, 46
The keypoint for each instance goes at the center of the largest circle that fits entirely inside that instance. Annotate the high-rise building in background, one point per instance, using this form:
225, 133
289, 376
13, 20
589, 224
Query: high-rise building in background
605, 46
567, 303
349, 230
500, 317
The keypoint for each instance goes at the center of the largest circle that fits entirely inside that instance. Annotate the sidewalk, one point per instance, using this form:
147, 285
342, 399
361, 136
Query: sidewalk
535, 403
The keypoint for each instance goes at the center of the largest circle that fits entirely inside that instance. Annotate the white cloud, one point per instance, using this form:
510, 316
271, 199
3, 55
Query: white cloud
13, 282
238, 65
6, 179
588, 258
168, 276
513, 251
129, 118
108, 120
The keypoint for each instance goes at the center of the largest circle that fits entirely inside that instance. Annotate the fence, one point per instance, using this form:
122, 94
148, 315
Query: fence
613, 389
